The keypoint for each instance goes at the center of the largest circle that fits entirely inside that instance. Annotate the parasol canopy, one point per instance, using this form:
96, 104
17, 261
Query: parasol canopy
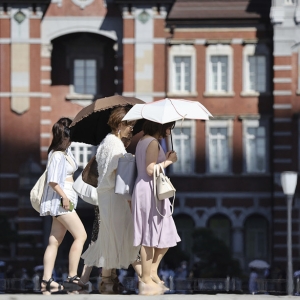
90, 124
168, 110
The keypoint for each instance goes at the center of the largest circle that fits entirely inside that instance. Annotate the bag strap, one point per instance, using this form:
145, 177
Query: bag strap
66, 156
69, 159
48, 164
155, 175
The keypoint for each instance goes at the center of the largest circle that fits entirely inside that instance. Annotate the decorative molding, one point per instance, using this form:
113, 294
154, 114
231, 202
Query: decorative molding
282, 68
46, 81
45, 108
82, 3
58, 2
282, 106
282, 80
29, 94
218, 95
277, 15
282, 93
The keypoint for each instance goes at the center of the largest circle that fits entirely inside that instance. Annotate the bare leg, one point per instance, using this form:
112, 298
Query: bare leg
158, 255
137, 265
57, 234
73, 224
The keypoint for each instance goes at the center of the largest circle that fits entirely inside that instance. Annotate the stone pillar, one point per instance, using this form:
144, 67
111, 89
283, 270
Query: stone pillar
238, 245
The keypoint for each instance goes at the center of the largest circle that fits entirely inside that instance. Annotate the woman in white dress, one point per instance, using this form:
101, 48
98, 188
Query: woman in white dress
59, 201
114, 246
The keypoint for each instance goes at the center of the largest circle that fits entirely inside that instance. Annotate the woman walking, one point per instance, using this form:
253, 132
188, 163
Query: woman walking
59, 201
113, 248
152, 231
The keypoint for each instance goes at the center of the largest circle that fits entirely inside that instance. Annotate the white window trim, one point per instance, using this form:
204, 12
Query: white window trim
255, 123
251, 50
219, 123
182, 50
213, 50
88, 148
190, 124
289, 2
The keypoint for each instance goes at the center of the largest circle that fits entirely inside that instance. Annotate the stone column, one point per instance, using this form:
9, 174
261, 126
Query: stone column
238, 245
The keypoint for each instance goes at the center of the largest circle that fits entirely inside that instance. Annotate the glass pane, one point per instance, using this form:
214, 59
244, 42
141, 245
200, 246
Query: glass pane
78, 72
79, 63
214, 131
91, 72
261, 131
256, 231
221, 228
91, 63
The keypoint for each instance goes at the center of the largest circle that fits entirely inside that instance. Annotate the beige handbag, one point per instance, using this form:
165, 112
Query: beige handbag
162, 187
37, 191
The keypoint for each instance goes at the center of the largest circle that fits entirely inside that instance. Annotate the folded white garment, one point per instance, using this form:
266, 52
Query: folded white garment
85, 191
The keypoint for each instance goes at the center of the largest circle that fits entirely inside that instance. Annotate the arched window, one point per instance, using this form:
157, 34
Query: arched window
185, 226
221, 227
256, 237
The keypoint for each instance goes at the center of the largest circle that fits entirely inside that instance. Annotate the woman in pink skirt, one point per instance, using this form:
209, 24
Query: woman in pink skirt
155, 233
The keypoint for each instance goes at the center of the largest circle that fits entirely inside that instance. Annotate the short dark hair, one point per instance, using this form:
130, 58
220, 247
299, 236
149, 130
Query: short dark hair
61, 135
152, 128
116, 116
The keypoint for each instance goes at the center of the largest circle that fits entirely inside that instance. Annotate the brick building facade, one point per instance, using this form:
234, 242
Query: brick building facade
239, 58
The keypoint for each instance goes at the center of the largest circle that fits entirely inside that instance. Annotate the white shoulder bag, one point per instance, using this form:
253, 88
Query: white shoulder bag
37, 191
162, 187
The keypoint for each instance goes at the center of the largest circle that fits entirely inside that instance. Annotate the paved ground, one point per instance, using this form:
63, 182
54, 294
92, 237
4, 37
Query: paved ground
137, 297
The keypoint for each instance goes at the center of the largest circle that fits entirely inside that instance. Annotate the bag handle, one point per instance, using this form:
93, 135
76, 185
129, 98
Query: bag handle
155, 175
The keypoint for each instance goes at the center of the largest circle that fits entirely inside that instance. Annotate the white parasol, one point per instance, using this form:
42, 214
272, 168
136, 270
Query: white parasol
259, 264
168, 110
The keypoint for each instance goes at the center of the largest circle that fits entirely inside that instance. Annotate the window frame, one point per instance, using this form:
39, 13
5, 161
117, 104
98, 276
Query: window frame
218, 217
219, 50
187, 124
255, 123
75, 147
217, 124
256, 230
96, 77
84, 99
255, 50
289, 2
182, 51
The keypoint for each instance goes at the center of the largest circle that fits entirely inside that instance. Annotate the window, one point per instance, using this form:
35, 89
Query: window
256, 238
257, 73
256, 69
185, 227
254, 133
182, 71
82, 153
183, 142
221, 227
219, 70
218, 143
219, 73
85, 76
289, 2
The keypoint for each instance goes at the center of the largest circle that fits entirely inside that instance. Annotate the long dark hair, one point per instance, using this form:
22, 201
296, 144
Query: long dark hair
61, 135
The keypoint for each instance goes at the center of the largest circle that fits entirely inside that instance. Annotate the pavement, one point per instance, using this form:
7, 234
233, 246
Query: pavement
137, 297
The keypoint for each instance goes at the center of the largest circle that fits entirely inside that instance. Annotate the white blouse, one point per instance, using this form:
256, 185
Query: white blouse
58, 170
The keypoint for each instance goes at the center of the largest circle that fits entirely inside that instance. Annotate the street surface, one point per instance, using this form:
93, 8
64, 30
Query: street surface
137, 297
